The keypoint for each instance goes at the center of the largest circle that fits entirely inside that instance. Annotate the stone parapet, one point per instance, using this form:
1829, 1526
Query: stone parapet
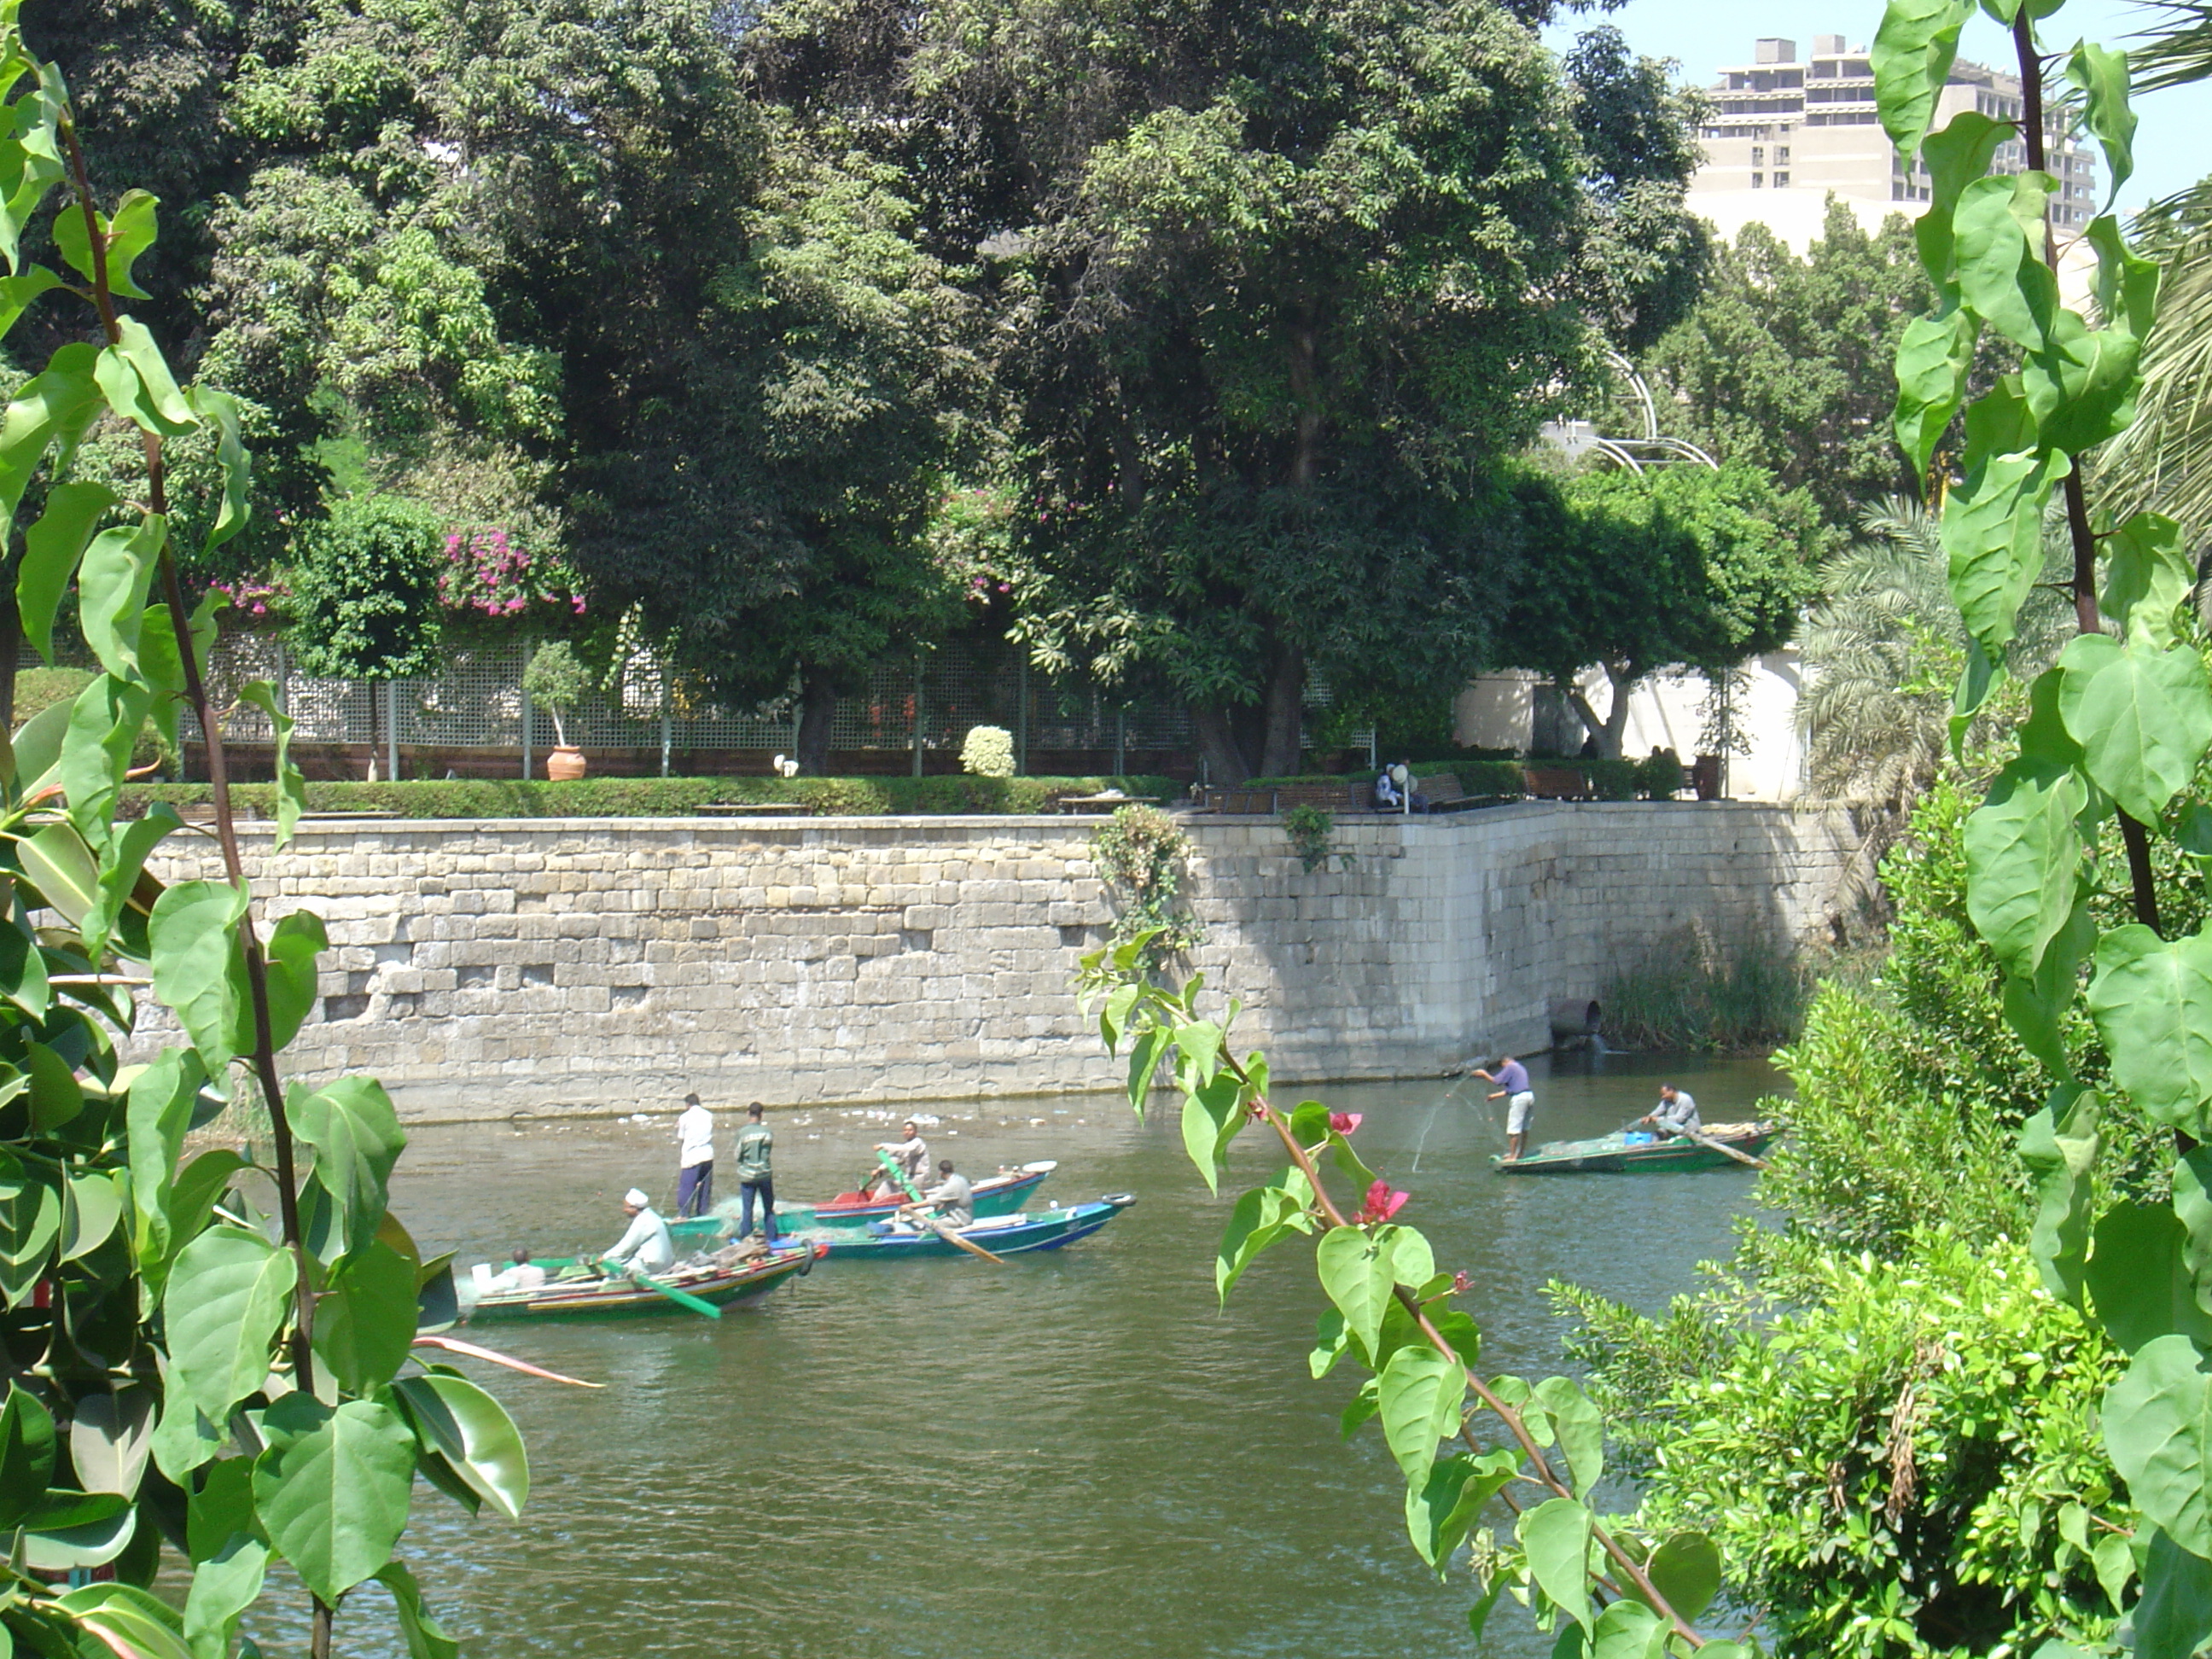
610, 964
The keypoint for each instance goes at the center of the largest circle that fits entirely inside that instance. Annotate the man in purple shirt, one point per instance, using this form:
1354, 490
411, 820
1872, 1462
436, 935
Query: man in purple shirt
1512, 1081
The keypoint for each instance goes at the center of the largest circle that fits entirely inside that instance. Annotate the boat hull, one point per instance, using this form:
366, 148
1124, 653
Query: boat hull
1037, 1230
618, 1298
1614, 1155
993, 1197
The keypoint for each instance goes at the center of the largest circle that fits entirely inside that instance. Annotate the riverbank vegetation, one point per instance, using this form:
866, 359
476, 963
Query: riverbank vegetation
1691, 994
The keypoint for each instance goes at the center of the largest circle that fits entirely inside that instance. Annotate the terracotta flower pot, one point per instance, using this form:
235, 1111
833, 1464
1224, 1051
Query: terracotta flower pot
565, 765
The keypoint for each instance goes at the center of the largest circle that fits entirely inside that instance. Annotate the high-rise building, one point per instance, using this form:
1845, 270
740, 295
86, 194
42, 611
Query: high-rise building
1782, 136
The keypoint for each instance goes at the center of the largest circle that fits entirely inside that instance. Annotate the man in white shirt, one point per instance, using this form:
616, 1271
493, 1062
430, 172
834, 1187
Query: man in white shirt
646, 1246
952, 1195
694, 1159
1677, 1111
912, 1156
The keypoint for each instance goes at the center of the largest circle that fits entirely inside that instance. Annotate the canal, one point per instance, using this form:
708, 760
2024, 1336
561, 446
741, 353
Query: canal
951, 1460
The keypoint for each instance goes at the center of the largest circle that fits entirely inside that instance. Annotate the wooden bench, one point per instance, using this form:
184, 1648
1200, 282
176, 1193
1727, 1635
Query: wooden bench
1557, 783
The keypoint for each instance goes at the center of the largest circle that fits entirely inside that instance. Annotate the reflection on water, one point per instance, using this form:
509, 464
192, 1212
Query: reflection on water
951, 1460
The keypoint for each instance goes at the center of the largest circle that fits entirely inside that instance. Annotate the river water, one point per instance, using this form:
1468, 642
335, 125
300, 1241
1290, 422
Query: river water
951, 1460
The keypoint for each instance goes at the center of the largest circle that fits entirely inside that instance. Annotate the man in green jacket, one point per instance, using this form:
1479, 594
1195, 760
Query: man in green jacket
756, 1174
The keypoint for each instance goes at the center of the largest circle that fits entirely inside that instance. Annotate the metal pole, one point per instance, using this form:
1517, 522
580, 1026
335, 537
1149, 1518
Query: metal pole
525, 733
667, 722
1022, 715
917, 717
391, 728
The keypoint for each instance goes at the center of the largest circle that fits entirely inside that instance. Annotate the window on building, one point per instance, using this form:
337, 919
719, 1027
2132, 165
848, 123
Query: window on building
1758, 179
1759, 155
1781, 153
1781, 181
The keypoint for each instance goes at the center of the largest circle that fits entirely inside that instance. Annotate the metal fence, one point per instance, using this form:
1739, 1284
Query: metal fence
476, 701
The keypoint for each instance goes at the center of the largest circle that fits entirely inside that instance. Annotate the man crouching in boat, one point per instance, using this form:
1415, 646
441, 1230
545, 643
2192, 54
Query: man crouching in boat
645, 1247
1676, 1114
952, 1200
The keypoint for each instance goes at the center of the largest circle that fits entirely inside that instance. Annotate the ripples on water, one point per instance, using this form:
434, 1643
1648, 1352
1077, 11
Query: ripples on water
951, 1460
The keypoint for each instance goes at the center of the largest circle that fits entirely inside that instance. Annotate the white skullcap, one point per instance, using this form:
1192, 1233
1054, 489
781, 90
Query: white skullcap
633, 1196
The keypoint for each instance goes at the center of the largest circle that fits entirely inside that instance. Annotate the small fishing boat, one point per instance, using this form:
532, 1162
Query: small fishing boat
1003, 1234
1002, 1193
598, 1296
1628, 1150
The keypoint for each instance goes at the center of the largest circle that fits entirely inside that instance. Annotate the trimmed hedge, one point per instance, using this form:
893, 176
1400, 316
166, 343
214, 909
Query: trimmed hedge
659, 797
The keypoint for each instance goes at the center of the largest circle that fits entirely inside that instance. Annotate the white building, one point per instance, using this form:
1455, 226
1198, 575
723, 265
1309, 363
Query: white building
1784, 136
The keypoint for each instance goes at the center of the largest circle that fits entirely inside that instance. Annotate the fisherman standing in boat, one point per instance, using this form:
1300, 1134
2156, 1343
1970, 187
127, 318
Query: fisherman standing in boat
912, 1156
1676, 1113
645, 1247
1512, 1081
756, 1174
694, 1159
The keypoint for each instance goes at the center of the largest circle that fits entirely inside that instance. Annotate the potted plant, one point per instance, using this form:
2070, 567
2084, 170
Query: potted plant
557, 680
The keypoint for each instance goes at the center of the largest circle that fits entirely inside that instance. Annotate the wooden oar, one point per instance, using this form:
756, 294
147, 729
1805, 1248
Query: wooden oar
1722, 1146
681, 1298
947, 1233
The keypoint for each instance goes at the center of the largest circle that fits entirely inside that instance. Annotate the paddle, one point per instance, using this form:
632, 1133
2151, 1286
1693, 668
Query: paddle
1703, 1141
681, 1298
948, 1234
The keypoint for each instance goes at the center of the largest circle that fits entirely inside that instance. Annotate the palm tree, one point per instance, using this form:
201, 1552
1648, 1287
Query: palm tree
1884, 649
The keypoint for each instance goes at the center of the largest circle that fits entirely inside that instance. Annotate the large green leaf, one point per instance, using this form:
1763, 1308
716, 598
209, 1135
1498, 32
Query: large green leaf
426, 1639
223, 1308
51, 548
69, 1530
137, 381
16, 294
2082, 386
220, 1508
1933, 356
30, 1226
224, 1585
1687, 1571
220, 409
291, 784
2127, 284
351, 1124
1263, 1216
193, 934
290, 955
1440, 1509
2138, 1280
1419, 1393
92, 1205
2059, 1146
1357, 1274
2102, 75
105, 721
27, 1455
2149, 578
1992, 533
1955, 157
1998, 231
123, 868
2157, 1428
65, 872
2192, 1207
1212, 1116
2152, 1001
125, 1620
110, 1437
57, 1097
365, 1324
332, 1488
55, 405
2142, 716
1555, 1535
2173, 1619
199, 1187
1911, 62
2023, 859
472, 1432
1626, 1630
112, 582
127, 235
1577, 1426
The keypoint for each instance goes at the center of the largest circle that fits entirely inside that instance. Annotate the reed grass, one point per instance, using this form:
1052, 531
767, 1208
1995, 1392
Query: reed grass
1691, 994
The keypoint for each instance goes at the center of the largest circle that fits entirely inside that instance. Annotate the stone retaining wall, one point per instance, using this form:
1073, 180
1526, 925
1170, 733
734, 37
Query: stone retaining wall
610, 964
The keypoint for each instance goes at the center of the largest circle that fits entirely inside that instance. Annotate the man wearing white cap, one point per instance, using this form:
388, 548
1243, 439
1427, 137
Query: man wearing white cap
646, 1246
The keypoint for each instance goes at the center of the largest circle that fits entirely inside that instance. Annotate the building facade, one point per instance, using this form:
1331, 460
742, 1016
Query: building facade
1782, 136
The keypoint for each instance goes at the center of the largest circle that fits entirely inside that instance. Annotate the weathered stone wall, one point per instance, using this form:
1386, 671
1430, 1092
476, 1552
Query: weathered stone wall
603, 964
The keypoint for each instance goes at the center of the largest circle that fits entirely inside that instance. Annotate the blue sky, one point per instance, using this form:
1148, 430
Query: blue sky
2172, 149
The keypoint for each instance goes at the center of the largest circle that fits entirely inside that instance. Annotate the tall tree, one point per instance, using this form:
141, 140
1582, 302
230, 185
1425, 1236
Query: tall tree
1279, 288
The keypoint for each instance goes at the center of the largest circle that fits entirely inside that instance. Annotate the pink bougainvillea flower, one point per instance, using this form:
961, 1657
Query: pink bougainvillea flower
1383, 1201
1460, 1283
1345, 1122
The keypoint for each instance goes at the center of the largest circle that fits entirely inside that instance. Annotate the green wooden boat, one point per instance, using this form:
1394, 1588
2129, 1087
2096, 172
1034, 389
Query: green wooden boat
596, 1296
1002, 1193
1628, 1151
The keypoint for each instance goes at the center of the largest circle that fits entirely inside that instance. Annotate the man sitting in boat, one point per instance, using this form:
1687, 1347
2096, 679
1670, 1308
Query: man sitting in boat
954, 1199
912, 1156
1677, 1112
646, 1246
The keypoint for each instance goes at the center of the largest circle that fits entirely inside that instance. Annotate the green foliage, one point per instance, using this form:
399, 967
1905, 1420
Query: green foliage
365, 590
1895, 1456
556, 679
1307, 829
987, 751
156, 1314
1660, 775
1141, 857
654, 797
1689, 992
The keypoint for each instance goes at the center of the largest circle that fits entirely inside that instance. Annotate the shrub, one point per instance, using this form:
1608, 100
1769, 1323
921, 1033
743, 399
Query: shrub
652, 797
1660, 775
1141, 856
1308, 828
556, 679
988, 752
1689, 992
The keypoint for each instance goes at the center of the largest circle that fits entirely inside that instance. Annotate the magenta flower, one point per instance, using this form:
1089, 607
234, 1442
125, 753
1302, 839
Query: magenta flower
1383, 1201
1345, 1122
1460, 1283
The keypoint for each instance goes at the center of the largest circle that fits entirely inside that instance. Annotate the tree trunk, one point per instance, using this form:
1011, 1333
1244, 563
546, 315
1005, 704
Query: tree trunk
1243, 740
1219, 743
1614, 727
1286, 708
818, 714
